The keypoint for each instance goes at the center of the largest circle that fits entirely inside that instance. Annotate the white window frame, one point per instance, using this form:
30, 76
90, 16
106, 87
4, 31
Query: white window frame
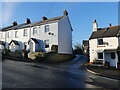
16, 34
98, 56
46, 43
2, 37
34, 30
98, 41
8, 34
47, 28
25, 32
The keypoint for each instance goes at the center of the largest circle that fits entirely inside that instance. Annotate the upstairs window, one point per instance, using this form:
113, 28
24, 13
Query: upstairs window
100, 41
34, 31
8, 34
16, 34
25, 32
100, 55
46, 28
46, 43
2, 36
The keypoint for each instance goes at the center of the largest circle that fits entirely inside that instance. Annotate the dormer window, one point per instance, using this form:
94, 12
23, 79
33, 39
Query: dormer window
46, 28
100, 41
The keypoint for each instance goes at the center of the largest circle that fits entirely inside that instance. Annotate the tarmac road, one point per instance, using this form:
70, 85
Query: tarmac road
71, 74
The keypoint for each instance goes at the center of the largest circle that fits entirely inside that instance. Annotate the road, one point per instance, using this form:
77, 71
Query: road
71, 74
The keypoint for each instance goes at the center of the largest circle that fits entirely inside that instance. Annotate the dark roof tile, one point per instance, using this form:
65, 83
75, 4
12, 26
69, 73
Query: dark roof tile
25, 25
106, 32
15, 42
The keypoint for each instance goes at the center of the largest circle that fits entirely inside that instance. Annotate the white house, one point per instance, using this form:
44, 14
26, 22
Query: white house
39, 36
104, 44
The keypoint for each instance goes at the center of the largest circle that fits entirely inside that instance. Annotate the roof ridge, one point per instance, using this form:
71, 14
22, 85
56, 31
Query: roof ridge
36, 22
111, 26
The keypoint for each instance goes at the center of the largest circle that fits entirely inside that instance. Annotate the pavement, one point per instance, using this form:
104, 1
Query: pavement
112, 73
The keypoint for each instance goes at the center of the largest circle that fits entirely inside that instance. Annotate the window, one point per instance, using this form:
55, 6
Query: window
34, 31
46, 43
16, 34
100, 41
100, 55
25, 33
46, 28
8, 34
113, 55
2, 35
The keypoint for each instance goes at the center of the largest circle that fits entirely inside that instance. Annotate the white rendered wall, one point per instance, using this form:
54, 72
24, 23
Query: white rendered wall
13, 47
53, 39
64, 41
64, 36
94, 48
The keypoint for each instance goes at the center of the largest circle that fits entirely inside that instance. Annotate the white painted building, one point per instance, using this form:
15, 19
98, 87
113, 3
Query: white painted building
39, 36
104, 44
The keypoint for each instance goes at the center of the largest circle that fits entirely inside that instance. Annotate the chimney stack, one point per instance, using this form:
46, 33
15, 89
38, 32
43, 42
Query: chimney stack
110, 24
14, 23
44, 18
65, 13
95, 25
28, 21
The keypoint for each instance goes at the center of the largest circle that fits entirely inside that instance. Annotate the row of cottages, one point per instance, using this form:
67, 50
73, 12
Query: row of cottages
104, 44
39, 36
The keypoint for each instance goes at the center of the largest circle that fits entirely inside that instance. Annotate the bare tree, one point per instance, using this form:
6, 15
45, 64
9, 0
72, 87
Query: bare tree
77, 49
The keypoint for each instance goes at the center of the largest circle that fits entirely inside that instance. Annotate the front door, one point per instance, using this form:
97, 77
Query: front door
113, 59
31, 47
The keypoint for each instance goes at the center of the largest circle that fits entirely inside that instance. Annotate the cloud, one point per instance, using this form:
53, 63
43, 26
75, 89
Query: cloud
7, 11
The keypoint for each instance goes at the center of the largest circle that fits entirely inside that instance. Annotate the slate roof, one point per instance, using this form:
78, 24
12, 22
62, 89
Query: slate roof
15, 42
35, 40
109, 50
25, 25
106, 32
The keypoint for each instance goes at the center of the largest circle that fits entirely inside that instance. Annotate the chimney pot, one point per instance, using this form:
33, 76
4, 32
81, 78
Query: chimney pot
14, 23
95, 21
110, 24
44, 18
65, 13
28, 21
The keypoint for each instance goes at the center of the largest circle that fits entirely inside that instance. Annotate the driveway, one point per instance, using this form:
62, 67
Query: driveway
69, 74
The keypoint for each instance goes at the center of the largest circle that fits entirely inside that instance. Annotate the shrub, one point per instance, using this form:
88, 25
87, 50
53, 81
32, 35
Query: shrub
6, 51
55, 57
77, 49
18, 51
54, 48
36, 55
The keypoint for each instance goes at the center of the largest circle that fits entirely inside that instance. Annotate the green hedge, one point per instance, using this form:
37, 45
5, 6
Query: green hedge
55, 57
